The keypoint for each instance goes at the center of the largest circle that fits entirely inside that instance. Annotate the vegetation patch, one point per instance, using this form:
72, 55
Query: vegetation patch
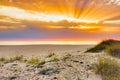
49, 71
109, 69
113, 50
8, 60
67, 56
15, 69
16, 58
103, 45
36, 61
2, 59
50, 55
54, 58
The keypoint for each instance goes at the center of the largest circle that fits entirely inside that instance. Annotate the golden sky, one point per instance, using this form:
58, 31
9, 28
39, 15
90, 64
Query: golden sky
59, 20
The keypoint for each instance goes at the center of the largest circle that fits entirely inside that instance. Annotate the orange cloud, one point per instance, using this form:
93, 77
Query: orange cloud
12, 27
70, 14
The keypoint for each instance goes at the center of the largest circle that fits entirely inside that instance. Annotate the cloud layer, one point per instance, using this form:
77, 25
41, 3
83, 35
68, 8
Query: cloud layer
60, 19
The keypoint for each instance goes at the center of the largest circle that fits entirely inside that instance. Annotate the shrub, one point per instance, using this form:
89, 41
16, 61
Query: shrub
41, 62
1, 64
15, 69
48, 71
53, 59
50, 55
109, 69
36, 61
18, 58
2, 59
6, 60
33, 61
12, 59
67, 56
113, 50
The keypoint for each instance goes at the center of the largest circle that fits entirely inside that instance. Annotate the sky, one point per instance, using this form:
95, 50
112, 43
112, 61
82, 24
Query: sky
59, 21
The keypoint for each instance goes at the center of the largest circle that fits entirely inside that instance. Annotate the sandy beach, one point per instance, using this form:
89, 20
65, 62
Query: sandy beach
39, 50
53, 62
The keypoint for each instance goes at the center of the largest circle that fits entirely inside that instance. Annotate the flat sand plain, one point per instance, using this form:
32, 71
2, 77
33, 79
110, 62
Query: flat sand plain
39, 50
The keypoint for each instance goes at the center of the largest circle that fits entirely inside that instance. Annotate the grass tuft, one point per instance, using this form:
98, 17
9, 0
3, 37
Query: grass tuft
54, 59
49, 71
2, 59
109, 69
67, 56
36, 61
50, 55
113, 50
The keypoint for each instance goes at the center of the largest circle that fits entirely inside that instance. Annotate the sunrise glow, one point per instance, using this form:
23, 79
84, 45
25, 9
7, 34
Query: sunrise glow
77, 21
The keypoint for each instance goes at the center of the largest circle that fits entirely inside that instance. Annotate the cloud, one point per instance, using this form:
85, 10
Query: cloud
22, 14
56, 19
32, 33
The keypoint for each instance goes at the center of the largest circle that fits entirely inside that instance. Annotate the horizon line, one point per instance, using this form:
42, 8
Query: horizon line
48, 42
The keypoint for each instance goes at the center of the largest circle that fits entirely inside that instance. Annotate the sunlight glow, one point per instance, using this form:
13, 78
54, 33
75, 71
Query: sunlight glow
112, 22
36, 16
48, 42
70, 21
82, 27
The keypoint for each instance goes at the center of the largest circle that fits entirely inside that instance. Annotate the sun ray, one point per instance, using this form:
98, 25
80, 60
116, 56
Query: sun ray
77, 11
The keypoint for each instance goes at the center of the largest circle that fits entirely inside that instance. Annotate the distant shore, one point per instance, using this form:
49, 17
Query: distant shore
39, 50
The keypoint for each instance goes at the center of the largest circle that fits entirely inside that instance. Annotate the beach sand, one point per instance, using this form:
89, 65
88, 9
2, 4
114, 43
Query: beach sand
68, 63
39, 50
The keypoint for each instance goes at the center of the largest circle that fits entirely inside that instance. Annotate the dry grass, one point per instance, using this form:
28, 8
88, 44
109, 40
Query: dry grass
54, 58
12, 59
109, 69
67, 56
49, 71
113, 50
103, 45
50, 55
2, 59
36, 61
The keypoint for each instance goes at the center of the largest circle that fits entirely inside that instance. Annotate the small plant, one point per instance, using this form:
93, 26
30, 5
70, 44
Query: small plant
53, 59
12, 59
50, 55
2, 59
113, 50
36, 61
15, 69
18, 58
48, 71
33, 61
41, 62
109, 69
1, 64
5, 60
67, 56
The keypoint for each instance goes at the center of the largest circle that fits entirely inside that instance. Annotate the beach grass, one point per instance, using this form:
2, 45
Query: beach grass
36, 61
49, 70
108, 68
113, 50
103, 45
67, 56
